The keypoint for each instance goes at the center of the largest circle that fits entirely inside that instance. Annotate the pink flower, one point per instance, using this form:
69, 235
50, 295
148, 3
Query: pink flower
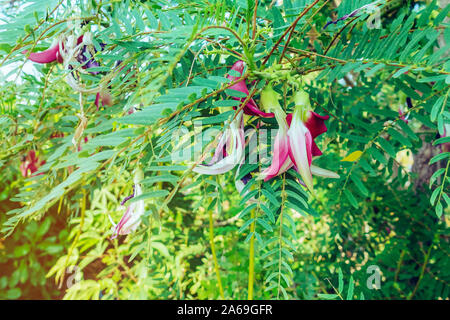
229, 151
297, 140
46, 56
51, 54
250, 108
402, 116
131, 219
104, 97
30, 164
269, 101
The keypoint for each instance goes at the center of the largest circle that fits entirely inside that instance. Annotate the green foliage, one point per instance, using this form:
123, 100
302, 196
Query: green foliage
165, 66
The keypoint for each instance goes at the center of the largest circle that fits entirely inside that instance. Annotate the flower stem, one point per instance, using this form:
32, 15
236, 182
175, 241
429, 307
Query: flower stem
213, 250
422, 271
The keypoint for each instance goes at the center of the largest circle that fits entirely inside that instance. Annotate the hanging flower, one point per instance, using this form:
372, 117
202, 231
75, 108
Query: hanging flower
250, 108
306, 125
52, 54
402, 115
30, 164
131, 219
46, 56
104, 97
229, 151
297, 141
269, 101
66, 51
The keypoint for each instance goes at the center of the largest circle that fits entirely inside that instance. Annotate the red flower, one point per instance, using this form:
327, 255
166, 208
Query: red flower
30, 164
294, 143
250, 108
50, 55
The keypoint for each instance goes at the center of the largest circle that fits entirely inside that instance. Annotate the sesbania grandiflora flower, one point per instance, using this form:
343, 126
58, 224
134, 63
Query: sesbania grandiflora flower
80, 51
134, 212
46, 56
294, 144
250, 108
269, 101
30, 164
229, 151
305, 126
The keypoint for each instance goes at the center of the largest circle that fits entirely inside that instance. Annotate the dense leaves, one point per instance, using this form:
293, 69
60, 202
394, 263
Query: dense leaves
129, 85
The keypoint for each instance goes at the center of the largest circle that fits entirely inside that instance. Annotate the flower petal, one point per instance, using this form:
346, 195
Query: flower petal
323, 172
251, 108
132, 216
279, 156
316, 123
300, 144
105, 97
281, 144
46, 56
235, 150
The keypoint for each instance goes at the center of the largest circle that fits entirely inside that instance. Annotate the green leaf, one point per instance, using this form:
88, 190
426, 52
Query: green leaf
375, 69
439, 157
351, 198
437, 108
341, 281
327, 296
264, 224
247, 210
357, 181
399, 137
408, 130
351, 287
246, 225
434, 195
270, 197
387, 147
439, 210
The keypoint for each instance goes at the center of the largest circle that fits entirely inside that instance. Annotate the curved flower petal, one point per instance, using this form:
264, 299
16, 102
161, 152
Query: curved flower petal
316, 123
46, 56
132, 216
323, 172
285, 167
281, 143
312, 120
251, 108
300, 144
105, 98
235, 150
221, 151
280, 154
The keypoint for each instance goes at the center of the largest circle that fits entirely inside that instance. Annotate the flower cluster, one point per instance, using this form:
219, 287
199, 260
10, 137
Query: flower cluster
30, 164
132, 217
294, 145
66, 51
